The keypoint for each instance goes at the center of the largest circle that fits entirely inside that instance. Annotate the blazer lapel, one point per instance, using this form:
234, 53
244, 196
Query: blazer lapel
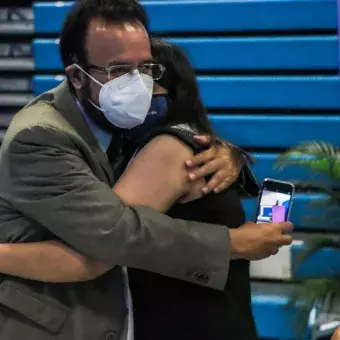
67, 106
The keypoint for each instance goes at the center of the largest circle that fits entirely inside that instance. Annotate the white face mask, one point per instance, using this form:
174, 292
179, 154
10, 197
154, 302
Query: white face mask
125, 101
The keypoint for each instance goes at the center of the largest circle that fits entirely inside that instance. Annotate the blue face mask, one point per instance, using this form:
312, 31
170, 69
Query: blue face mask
157, 112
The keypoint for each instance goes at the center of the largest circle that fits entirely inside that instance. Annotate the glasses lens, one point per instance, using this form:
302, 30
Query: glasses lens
118, 70
153, 70
147, 69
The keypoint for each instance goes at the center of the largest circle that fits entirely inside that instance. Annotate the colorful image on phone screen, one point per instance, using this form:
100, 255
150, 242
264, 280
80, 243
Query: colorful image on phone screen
274, 207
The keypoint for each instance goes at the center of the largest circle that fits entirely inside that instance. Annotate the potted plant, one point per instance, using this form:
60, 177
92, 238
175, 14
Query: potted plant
319, 294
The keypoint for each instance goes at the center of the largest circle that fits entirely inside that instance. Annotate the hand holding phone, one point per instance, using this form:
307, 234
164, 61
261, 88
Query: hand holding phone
256, 241
253, 241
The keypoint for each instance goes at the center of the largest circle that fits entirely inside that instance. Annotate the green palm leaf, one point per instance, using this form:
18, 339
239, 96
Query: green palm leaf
320, 157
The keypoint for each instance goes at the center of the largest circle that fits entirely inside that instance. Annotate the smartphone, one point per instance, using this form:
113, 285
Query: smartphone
275, 201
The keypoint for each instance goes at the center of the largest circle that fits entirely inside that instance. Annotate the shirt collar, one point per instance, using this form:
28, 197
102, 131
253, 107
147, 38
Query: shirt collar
103, 137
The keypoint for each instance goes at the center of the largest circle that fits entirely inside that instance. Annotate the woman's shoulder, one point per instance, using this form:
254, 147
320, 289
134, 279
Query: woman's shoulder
168, 143
171, 140
183, 132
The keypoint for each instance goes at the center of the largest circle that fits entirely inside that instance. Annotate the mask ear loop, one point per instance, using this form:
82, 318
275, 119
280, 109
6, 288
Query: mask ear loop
93, 79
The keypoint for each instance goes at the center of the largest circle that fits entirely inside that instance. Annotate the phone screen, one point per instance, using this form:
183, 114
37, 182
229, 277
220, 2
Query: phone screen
275, 202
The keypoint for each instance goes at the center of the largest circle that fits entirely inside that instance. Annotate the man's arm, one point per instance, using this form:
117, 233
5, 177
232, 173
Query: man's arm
155, 178
50, 182
48, 261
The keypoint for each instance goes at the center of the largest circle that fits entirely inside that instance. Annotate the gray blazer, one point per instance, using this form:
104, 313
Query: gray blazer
55, 183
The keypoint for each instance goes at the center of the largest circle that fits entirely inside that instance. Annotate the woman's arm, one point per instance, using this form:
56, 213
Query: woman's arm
162, 159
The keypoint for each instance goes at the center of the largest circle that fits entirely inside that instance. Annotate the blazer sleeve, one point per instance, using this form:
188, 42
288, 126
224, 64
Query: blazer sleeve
50, 182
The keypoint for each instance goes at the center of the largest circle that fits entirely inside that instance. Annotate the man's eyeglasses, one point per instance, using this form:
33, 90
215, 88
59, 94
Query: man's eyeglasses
153, 70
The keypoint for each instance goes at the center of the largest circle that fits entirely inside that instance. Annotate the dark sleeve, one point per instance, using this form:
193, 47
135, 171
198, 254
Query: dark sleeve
185, 135
246, 184
50, 182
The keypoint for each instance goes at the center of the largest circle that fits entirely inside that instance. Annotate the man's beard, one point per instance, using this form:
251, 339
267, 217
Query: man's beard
96, 115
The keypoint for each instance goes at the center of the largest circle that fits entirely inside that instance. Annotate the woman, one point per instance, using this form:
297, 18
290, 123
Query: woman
165, 308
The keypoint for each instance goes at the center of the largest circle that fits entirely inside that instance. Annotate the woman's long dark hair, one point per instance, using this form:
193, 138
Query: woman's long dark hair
179, 79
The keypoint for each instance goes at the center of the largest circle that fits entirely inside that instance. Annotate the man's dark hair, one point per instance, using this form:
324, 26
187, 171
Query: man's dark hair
73, 34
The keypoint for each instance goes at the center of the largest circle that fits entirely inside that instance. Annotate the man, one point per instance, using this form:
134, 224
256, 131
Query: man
55, 183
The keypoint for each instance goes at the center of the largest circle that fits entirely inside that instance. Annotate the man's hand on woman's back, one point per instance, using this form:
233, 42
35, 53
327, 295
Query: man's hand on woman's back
218, 161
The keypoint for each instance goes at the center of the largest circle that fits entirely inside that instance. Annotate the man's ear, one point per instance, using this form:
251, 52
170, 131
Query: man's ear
75, 76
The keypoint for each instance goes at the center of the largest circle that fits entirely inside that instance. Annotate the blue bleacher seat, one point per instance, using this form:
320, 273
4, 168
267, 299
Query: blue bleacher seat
272, 319
314, 265
281, 130
265, 167
280, 92
318, 92
224, 15
252, 53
